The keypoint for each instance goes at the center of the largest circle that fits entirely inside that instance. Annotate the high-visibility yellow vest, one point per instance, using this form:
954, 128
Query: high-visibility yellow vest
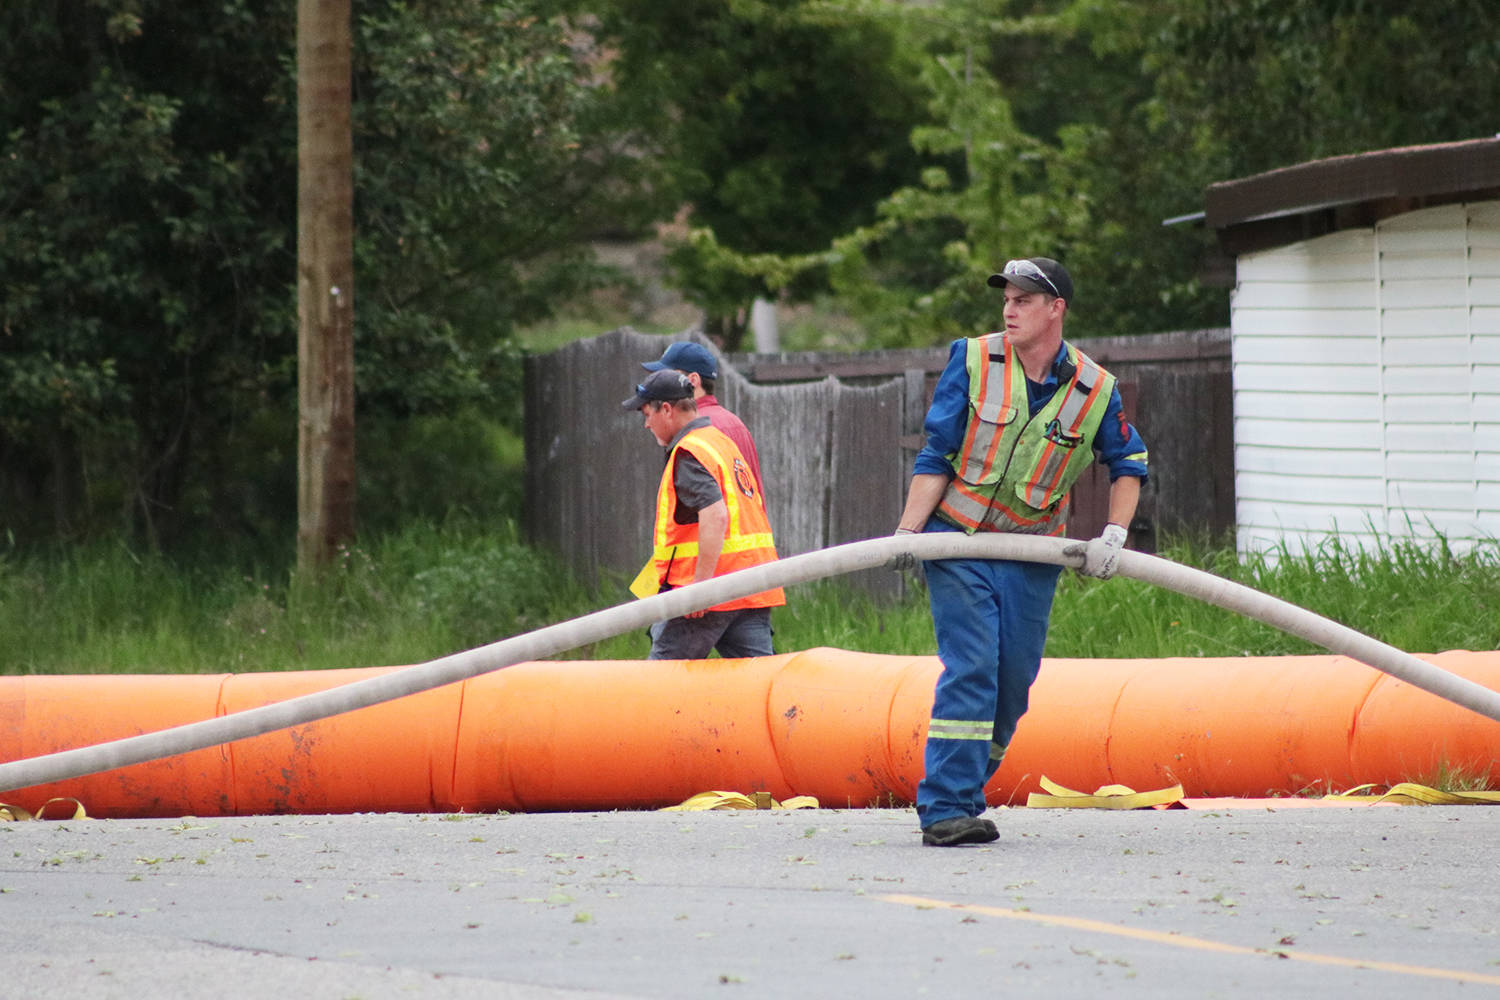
1015, 468
748, 542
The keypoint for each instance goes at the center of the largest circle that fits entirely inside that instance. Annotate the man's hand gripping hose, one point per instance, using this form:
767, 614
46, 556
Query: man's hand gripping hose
1101, 556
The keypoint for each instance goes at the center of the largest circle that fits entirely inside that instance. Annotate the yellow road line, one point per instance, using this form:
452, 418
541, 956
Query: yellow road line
1199, 944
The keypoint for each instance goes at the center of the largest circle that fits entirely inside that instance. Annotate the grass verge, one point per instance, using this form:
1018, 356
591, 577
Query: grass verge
428, 589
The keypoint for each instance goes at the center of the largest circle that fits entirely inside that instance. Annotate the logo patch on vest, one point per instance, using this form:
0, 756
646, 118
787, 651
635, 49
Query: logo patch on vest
743, 479
1059, 437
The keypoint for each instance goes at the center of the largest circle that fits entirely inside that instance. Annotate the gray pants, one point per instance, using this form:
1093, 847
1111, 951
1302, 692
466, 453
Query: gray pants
735, 634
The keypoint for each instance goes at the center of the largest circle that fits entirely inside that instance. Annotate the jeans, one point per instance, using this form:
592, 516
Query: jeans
735, 634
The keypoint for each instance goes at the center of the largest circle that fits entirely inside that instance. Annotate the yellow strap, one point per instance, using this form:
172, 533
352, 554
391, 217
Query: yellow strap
1122, 797
704, 801
1106, 797
12, 814
1410, 793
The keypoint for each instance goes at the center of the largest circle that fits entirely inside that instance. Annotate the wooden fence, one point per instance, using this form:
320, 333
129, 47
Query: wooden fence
836, 434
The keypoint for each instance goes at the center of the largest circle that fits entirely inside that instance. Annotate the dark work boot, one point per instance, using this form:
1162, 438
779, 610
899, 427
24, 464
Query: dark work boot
959, 830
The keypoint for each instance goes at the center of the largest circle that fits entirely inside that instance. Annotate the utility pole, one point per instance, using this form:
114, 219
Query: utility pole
325, 282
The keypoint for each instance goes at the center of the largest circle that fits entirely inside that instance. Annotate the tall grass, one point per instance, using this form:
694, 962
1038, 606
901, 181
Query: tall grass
1421, 598
429, 589
403, 597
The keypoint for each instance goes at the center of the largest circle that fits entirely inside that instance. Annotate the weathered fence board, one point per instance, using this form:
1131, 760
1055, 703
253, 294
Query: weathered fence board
836, 434
1177, 391
591, 468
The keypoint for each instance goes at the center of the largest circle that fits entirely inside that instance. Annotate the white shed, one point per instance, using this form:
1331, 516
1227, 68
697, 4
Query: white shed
1365, 334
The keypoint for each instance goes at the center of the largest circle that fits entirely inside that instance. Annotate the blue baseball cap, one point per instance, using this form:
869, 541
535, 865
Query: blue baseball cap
685, 356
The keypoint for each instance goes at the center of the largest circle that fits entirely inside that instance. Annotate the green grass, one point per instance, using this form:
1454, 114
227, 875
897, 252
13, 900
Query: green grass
1448, 777
430, 589
402, 598
1416, 598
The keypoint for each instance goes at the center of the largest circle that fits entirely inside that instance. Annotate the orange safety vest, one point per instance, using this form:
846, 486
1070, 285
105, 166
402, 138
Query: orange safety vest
1015, 468
748, 542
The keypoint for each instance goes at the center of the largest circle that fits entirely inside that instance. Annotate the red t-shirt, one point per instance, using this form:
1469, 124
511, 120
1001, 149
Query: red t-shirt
734, 428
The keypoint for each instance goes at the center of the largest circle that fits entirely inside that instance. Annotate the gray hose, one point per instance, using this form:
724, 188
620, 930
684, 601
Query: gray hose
869, 554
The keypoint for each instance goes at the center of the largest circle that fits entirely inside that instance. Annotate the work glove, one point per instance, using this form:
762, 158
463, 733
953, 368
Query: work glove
1101, 556
902, 561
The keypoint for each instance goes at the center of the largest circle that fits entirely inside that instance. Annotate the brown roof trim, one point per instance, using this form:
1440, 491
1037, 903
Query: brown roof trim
1309, 199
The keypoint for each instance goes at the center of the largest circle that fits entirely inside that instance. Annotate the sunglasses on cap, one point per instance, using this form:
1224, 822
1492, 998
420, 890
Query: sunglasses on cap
1026, 269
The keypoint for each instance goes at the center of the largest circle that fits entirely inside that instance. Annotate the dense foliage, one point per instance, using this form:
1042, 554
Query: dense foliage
779, 124
148, 240
880, 154
1074, 128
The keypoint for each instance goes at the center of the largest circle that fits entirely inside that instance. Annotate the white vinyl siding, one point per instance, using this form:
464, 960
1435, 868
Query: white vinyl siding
1484, 355
1367, 384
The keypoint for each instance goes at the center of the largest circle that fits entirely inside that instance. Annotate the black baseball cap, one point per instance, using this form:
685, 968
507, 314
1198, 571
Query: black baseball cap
1036, 274
660, 387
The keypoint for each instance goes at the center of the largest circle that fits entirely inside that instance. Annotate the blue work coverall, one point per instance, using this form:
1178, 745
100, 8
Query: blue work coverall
990, 616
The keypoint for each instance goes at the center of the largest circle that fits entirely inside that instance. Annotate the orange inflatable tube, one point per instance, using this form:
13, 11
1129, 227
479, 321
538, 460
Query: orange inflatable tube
847, 728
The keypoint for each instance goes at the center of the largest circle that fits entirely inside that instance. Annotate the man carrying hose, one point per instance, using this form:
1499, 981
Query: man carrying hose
710, 520
1015, 418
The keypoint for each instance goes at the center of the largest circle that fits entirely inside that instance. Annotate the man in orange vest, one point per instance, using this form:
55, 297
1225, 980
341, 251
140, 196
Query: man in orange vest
710, 520
1015, 418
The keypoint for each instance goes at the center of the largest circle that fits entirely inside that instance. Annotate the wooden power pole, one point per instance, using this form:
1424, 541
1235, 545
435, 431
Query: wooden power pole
325, 282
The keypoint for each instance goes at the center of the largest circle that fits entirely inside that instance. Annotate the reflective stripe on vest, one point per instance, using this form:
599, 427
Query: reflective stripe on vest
1014, 473
1064, 432
747, 542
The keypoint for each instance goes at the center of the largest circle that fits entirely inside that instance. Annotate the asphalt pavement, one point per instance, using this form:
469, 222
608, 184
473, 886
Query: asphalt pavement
1253, 901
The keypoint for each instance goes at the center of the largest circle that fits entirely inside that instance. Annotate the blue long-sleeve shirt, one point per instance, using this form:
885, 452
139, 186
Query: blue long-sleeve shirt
1117, 444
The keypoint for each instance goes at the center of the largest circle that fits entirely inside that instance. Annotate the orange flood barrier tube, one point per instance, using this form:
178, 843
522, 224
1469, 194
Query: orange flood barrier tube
845, 727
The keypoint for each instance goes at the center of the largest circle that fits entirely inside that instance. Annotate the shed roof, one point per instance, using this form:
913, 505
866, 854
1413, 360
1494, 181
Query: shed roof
1343, 192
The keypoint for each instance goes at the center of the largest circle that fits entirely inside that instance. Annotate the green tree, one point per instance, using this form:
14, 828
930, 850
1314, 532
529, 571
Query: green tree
1050, 106
1074, 128
779, 123
1277, 82
147, 252
142, 276
1236, 87
915, 274
1207, 92
487, 155
1028, 150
